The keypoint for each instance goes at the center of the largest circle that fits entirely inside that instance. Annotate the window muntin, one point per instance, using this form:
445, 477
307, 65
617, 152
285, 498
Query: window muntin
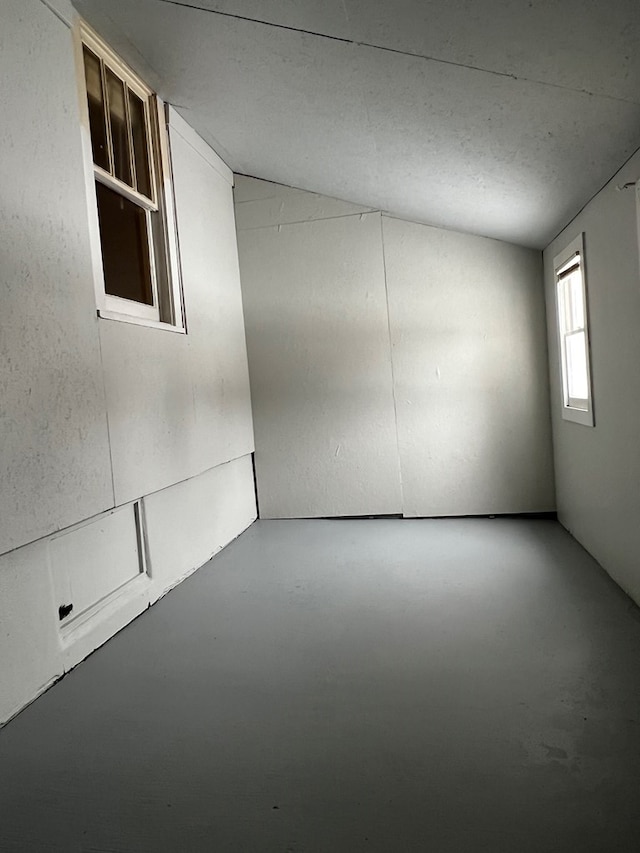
573, 333
135, 217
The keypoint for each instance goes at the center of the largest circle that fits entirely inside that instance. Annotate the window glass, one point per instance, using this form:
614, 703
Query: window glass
119, 128
140, 144
576, 303
97, 120
577, 376
124, 238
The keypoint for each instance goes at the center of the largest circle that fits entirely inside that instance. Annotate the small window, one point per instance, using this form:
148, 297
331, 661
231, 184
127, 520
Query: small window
573, 332
134, 202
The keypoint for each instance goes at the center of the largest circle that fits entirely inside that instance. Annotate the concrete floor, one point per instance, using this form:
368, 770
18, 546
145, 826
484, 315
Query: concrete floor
326, 686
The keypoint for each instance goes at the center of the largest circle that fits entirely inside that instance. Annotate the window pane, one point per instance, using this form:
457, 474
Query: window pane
95, 99
576, 301
119, 129
577, 378
564, 307
140, 144
125, 247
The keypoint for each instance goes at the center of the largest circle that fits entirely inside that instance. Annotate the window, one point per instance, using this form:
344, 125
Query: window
573, 331
126, 135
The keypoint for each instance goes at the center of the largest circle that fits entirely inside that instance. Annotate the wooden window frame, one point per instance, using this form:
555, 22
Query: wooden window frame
573, 409
167, 311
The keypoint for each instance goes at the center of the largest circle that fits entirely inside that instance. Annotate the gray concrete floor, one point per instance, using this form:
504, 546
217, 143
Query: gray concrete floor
374, 685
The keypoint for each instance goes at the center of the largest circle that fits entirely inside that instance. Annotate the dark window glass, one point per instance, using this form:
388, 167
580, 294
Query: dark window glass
119, 128
97, 120
125, 247
140, 144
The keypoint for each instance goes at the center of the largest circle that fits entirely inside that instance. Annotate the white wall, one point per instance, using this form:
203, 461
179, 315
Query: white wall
469, 360
316, 319
598, 469
98, 413
350, 324
54, 452
178, 404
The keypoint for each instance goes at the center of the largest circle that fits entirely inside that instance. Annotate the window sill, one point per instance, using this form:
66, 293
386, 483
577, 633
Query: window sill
106, 314
578, 416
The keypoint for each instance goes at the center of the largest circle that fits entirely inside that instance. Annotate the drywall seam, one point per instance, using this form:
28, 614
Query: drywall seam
239, 174
106, 416
195, 141
465, 317
397, 51
309, 381
393, 376
307, 221
588, 202
90, 518
52, 6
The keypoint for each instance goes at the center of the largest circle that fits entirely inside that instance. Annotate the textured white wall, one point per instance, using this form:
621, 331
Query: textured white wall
179, 404
30, 654
176, 405
598, 469
189, 522
54, 452
86, 404
316, 318
469, 360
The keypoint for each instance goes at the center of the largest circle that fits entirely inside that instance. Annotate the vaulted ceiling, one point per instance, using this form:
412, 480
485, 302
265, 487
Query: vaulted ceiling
498, 117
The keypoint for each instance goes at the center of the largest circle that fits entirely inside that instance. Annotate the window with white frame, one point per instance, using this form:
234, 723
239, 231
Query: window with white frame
571, 300
127, 138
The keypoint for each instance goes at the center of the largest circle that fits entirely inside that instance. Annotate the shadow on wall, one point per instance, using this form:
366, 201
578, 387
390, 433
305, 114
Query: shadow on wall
468, 406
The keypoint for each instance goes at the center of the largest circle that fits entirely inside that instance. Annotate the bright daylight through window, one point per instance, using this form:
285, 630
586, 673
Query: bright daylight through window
574, 334
133, 190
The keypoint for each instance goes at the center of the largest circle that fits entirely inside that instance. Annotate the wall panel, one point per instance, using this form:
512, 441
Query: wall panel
191, 521
30, 652
316, 318
218, 371
179, 404
54, 452
469, 357
151, 408
464, 319
598, 469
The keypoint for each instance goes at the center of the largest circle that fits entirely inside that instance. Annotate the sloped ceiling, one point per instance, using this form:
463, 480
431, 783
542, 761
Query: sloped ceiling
498, 117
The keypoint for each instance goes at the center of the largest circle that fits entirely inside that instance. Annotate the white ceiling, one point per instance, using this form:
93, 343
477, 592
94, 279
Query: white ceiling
498, 117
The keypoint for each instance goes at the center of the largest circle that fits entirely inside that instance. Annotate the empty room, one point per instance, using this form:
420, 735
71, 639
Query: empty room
319, 426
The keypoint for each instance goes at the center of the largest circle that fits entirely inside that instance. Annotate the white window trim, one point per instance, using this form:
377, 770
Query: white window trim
122, 317
111, 307
583, 416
